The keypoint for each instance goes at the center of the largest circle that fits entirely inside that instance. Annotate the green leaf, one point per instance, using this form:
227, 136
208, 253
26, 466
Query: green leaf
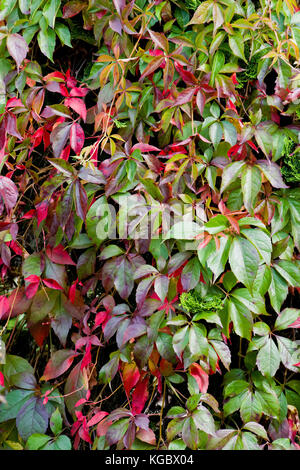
204, 420
268, 358
289, 270
250, 407
36, 441
6, 7
234, 404
197, 342
217, 64
269, 402
99, 221
231, 173
215, 133
230, 133
218, 259
202, 12
50, 11
286, 317
289, 353
251, 184
256, 428
177, 444
236, 44
241, 318
244, 260
14, 402
278, 290
272, 172
15, 365
190, 434
262, 280
61, 442
261, 241
235, 387
46, 40
110, 251
216, 224
254, 302
116, 431
223, 352
260, 328
64, 34
161, 287
176, 412
152, 188
180, 340
190, 274
56, 422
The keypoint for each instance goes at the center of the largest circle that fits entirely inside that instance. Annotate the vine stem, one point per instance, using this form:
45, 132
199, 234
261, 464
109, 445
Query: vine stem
161, 417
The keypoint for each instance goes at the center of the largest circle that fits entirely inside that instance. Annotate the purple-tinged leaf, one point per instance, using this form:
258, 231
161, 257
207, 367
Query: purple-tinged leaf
8, 192
272, 172
17, 47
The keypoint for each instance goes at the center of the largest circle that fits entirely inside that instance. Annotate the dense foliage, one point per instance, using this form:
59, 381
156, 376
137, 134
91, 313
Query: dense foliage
149, 233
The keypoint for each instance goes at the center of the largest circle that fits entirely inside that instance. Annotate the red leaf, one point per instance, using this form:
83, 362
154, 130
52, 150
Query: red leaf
31, 290
131, 375
234, 223
18, 303
252, 145
233, 150
1, 379
73, 8
52, 284
186, 76
295, 324
233, 78
58, 364
59, 255
32, 278
79, 403
39, 331
152, 66
33, 286
4, 306
79, 91
29, 214
140, 396
97, 418
56, 75
65, 153
231, 106
146, 436
76, 137
144, 148
77, 105
200, 375
42, 211
72, 291
185, 96
155, 52
17, 47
